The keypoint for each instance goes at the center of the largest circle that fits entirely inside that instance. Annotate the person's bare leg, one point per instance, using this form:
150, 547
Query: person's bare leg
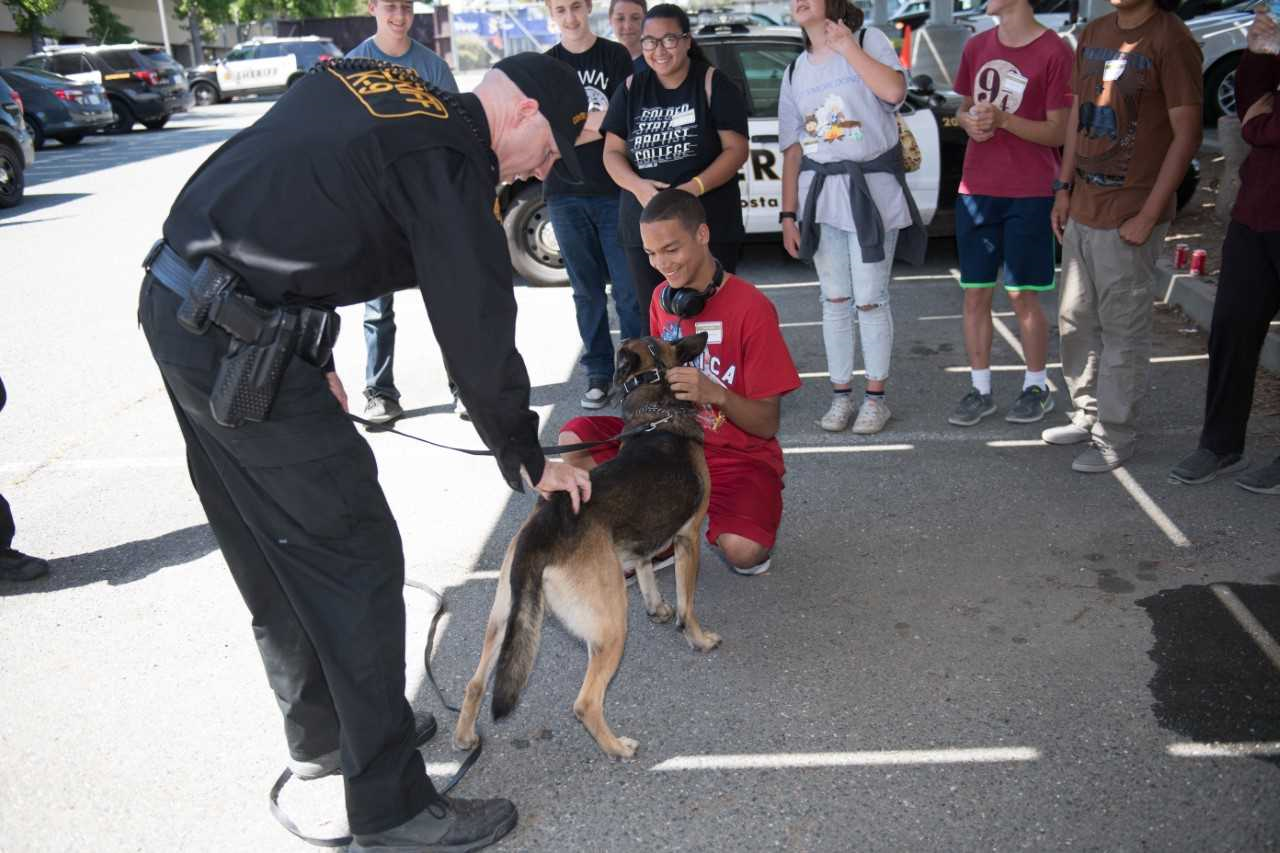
1033, 328
978, 328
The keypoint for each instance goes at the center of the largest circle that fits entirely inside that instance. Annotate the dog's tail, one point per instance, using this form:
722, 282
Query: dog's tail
524, 627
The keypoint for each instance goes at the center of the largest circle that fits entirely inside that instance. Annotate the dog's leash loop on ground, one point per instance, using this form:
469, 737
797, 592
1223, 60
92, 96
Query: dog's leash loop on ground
554, 450
287, 822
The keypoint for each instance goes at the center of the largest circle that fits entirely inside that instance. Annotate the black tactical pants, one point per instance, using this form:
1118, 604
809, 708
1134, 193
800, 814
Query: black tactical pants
7, 529
306, 531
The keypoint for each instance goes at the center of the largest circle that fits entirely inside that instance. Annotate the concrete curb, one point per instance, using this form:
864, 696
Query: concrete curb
1194, 295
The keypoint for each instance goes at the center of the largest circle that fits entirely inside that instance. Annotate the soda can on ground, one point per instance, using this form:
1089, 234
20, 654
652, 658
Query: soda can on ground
1180, 258
1197, 262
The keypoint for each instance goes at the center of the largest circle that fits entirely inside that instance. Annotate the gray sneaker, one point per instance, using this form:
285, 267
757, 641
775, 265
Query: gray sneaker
1068, 433
1203, 465
597, 396
1099, 459
973, 407
382, 410
1263, 481
1032, 405
873, 414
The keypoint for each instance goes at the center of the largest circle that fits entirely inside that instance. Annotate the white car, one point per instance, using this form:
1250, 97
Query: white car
756, 58
262, 66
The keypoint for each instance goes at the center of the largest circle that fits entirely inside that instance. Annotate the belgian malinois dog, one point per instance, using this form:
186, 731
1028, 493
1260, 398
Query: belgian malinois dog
655, 491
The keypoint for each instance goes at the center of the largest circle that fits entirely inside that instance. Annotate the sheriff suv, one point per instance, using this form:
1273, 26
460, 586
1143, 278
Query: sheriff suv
144, 84
756, 58
262, 66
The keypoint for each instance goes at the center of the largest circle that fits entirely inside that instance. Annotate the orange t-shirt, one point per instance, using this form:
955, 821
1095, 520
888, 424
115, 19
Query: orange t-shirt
1126, 81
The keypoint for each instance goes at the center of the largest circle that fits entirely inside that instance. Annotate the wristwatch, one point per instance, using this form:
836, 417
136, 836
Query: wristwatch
1063, 185
787, 214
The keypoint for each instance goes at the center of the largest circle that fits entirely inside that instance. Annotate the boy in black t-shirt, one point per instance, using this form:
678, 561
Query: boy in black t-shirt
585, 215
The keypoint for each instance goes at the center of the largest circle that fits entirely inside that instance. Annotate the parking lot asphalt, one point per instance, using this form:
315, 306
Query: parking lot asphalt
962, 645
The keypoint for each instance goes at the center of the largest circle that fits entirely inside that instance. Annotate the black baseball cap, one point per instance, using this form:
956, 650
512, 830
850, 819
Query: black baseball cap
560, 96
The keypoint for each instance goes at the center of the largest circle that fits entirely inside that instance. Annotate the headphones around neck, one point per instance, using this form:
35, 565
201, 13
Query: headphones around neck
687, 302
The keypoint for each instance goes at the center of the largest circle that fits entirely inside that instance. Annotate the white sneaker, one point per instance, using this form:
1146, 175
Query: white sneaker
838, 416
872, 417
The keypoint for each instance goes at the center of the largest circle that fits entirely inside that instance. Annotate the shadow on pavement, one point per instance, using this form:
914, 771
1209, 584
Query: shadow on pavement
39, 201
107, 152
122, 564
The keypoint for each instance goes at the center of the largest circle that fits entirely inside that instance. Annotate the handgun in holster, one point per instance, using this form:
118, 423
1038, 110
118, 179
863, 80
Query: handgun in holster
250, 373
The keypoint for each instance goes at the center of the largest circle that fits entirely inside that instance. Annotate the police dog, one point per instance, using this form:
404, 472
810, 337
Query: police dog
655, 491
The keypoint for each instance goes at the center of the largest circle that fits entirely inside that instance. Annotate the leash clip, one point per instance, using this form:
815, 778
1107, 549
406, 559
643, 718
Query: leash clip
652, 425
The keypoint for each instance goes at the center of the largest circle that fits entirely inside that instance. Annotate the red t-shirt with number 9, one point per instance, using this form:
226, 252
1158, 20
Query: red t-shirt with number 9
1024, 81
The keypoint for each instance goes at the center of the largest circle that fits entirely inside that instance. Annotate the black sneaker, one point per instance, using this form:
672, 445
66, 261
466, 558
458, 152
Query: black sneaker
973, 407
597, 396
19, 567
1203, 465
1264, 481
424, 729
1032, 405
449, 825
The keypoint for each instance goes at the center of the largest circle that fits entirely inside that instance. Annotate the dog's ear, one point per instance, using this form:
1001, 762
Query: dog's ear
687, 349
627, 363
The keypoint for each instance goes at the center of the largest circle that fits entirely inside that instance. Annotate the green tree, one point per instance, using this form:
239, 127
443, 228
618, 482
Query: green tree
105, 26
29, 17
199, 14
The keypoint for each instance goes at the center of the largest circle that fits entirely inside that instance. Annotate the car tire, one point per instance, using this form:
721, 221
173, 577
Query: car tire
71, 139
204, 94
12, 177
124, 117
156, 123
36, 131
535, 254
1220, 89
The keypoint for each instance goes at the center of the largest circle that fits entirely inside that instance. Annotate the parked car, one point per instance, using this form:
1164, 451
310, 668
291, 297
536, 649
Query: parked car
263, 66
17, 152
142, 82
1222, 36
58, 107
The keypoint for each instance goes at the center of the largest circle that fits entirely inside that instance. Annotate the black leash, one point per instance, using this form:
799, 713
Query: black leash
554, 450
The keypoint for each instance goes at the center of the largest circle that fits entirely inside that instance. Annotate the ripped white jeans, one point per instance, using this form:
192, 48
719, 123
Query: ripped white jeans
848, 286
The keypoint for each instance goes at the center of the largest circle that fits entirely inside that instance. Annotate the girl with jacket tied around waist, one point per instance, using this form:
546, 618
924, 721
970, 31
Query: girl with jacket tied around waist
680, 123
844, 197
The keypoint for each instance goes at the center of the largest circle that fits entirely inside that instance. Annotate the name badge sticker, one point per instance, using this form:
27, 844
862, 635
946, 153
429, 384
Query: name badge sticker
682, 118
1013, 84
1113, 69
714, 330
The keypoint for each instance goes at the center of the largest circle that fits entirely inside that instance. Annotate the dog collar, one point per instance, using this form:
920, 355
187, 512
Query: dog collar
652, 376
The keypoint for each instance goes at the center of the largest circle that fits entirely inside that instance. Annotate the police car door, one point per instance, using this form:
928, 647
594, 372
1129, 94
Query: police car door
757, 66
252, 68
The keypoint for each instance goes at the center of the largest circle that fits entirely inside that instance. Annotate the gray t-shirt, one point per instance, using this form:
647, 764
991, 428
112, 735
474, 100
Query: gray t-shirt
420, 58
827, 110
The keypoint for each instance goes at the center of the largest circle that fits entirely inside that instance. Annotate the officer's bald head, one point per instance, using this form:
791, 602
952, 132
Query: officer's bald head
520, 135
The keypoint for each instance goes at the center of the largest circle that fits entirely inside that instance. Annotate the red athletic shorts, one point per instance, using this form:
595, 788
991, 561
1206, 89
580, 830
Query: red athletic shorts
746, 496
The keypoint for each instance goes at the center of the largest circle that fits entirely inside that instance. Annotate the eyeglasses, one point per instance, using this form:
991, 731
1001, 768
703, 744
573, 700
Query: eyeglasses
669, 41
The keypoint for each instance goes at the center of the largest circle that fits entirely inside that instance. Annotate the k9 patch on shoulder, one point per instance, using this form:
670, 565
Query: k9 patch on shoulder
390, 93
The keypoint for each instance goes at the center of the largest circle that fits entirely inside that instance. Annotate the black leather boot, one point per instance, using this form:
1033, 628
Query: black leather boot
449, 825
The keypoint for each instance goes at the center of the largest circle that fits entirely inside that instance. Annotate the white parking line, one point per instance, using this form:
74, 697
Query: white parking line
876, 758
1248, 622
961, 316
1166, 525
847, 448
1240, 749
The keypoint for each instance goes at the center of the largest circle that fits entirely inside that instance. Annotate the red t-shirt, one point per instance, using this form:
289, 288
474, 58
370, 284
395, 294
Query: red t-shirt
1024, 81
745, 353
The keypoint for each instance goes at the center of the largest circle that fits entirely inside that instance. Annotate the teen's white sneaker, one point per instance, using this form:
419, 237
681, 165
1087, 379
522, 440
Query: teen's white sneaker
838, 416
872, 416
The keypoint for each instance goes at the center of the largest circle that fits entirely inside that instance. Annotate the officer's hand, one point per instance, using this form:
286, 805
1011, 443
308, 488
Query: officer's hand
335, 387
690, 383
647, 189
563, 477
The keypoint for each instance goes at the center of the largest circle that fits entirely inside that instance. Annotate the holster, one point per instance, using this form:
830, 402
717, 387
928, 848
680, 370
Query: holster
250, 373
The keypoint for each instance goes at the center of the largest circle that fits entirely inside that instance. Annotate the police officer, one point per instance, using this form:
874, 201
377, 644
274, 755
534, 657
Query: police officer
386, 181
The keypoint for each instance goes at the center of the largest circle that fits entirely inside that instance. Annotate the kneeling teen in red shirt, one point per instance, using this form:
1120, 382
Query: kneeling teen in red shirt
738, 381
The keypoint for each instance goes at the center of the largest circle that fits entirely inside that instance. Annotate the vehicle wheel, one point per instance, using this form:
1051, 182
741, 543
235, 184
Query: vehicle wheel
124, 117
156, 123
12, 180
36, 131
71, 139
535, 254
1220, 89
204, 94
1190, 181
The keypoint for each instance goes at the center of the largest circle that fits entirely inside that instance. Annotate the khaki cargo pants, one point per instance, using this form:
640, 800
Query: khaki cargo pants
1104, 321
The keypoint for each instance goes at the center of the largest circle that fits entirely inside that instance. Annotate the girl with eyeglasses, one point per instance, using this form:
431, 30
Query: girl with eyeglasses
678, 123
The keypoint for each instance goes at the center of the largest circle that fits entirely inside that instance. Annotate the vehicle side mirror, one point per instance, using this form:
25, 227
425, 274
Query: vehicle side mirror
923, 84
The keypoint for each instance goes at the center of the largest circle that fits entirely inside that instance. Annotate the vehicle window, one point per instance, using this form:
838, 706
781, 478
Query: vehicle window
238, 54
763, 66
68, 63
39, 76
269, 51
122, 60
35, 62
158, 56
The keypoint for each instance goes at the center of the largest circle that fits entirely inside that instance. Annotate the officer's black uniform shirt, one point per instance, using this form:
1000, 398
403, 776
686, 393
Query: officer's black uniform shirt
362, 180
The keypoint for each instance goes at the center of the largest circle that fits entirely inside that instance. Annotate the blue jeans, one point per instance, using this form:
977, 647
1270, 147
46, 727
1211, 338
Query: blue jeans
380, 344
587, 230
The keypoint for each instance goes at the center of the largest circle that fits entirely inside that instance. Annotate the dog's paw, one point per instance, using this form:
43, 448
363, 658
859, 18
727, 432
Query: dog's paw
662, 613
465, 741
626, 748
705, 643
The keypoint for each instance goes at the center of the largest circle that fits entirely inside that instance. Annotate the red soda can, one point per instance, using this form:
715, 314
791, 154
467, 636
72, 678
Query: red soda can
1197, 262
1180, 253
